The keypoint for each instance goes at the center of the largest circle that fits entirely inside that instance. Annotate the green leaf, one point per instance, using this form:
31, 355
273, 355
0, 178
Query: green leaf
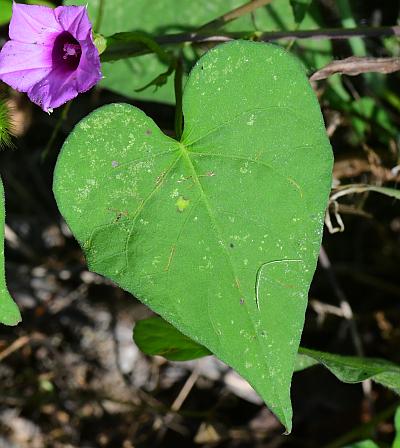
396, 442
5, 11
352, 369
155, 336
363, 444
9, 312
40, 2
300, 8
162, 17
218, 233
366, 117
6, 8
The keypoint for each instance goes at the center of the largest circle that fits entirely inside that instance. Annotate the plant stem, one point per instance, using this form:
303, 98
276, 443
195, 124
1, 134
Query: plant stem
116, 52
178, 81
247, 8
328, 33
99, 17
364, 430
60, 121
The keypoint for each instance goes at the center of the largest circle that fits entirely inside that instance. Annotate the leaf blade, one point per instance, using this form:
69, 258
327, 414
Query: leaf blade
174, 215
9, 312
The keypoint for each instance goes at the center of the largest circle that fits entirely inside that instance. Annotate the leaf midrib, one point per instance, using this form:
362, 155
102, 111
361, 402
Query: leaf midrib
185, 156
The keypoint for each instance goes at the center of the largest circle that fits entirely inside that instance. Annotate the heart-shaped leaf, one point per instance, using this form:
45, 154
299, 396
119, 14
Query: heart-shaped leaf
9, 312
218, 233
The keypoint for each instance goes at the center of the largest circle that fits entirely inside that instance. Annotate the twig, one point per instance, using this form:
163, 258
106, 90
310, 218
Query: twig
178, 402
60, 121
16, 345
19, 343
343, 302
328, 33
114, 50
247, 8
354, 66
348, 315
187, 387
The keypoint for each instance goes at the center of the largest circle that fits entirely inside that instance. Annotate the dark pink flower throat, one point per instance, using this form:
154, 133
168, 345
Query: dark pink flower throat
67, 52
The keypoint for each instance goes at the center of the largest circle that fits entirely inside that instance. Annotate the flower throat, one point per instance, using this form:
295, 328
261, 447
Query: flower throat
66, 52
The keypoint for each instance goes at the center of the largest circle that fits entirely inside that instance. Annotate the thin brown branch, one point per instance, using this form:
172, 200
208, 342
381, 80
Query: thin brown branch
342, 300
355, 66
317, 34
120, 48
247, 8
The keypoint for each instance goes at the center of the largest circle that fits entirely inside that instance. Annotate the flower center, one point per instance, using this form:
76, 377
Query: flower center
67, 52
72, 50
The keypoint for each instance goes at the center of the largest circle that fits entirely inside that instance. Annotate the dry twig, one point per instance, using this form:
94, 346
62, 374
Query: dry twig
354, 66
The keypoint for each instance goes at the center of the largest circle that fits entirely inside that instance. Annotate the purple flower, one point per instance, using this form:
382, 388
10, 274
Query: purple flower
51, 55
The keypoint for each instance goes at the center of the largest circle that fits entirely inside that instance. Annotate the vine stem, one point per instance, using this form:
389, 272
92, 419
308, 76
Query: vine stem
135, 49
99, 17
247, 8
329, 33
56, 130
178, 83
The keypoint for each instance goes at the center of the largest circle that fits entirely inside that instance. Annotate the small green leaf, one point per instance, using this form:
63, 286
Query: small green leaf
396, 442
304, 362
300, 8
363, 444
352, 369
5, 11
9, 312
218, 233
155, 336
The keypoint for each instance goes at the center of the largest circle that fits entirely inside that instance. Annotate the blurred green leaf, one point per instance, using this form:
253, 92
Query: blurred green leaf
218, 233
363, 444
5, 11
300, 8
40, 2
9, 312
171, 16
367, 115
396, 442
155, 336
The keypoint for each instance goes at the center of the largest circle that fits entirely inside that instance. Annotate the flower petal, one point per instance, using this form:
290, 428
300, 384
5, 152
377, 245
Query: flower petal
33, 24
23, 65
55, 90
88, 72
75, 20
